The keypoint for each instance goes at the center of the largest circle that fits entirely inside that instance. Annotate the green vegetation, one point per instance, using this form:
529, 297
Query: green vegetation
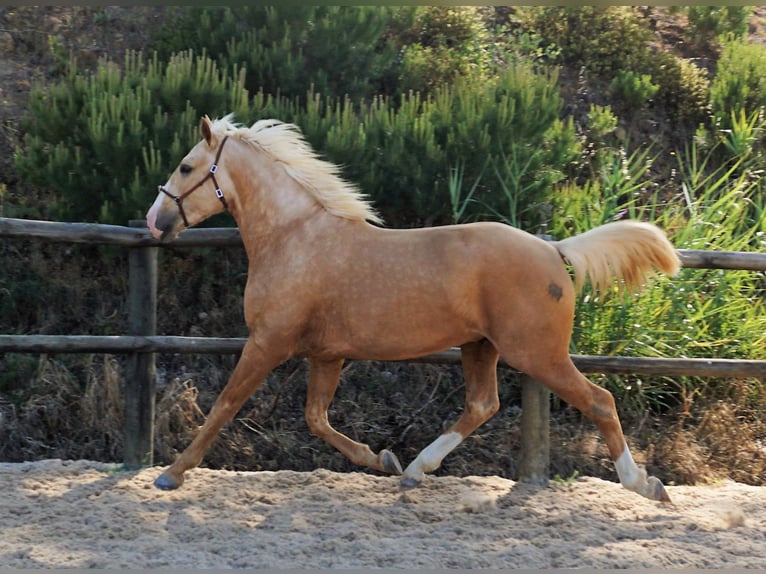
97, 138
399, 148
634, 89
605, 41
553, 119
700, 313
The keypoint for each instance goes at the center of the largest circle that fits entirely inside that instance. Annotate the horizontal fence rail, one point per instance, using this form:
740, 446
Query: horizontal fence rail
690, 367
143, 343
98, 233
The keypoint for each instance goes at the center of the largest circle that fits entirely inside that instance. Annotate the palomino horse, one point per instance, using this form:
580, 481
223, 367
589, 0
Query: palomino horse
326, 284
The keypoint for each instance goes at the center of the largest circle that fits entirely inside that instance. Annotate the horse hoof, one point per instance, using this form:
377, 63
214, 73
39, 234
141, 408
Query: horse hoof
658, 490
408, 483
166, 482
390, 463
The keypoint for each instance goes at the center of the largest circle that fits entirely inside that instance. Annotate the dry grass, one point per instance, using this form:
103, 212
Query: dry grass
60, 418
397, 406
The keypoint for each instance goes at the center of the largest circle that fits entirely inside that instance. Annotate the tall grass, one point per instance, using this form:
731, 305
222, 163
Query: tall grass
699, 313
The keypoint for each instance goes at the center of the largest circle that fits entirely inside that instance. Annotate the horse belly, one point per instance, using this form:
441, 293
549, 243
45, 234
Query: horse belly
400, 321
409, 339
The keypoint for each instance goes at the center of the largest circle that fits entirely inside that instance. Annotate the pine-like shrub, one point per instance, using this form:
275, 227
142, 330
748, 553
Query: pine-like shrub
444, 43
506, 134
604, 40
683, 87
633, 88
740, 83
708, 23
291, 49
103, 141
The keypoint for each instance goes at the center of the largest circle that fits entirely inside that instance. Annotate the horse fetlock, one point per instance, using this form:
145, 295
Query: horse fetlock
636, 479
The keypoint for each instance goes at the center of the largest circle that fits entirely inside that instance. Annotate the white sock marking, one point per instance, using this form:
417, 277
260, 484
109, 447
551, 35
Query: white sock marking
631, 477
431, 457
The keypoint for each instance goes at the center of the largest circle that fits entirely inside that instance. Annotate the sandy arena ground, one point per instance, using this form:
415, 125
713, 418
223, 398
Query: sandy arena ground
81, 514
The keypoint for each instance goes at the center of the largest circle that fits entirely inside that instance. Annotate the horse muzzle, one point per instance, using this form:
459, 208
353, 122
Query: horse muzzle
163, 224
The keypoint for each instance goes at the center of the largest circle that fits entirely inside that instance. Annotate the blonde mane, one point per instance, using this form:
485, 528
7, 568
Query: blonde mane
285, 144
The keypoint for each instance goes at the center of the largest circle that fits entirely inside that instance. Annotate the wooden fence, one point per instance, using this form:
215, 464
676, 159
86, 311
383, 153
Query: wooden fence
142, 342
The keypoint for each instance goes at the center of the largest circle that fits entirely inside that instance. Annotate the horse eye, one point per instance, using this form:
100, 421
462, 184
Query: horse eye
185, 169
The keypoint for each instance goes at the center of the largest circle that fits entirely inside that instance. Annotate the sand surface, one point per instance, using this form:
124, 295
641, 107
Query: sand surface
82, 514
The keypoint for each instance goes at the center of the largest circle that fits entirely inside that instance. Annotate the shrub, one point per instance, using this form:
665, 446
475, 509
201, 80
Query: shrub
603, 40
292, 49
103, 141
707, 23
443, 44
601, 121
633, 88
740, 83
338, 51
115, 134
683, 87
403, 153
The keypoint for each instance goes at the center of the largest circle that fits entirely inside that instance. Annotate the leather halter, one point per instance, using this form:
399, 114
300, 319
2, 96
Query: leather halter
210, 175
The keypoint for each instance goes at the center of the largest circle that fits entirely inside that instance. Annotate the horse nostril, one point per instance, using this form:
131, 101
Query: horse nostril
166, 221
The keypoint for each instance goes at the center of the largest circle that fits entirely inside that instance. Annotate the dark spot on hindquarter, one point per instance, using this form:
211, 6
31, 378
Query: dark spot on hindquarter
555, 291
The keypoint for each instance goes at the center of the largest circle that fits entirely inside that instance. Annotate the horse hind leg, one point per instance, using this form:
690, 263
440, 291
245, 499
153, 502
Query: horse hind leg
324, 377
596, 403
481, 402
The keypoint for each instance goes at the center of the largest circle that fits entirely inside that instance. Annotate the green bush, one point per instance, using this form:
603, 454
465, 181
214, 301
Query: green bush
708, 23
292, 49
740, 83
115, 135
683, 87
337, 51
601, 121
633, 88
103, 141
603, 40
443, 44
403, 153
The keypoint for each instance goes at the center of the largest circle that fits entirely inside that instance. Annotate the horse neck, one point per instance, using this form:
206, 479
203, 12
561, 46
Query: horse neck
271, 207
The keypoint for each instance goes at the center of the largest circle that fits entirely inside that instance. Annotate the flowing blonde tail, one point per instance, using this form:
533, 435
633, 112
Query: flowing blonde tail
627, 250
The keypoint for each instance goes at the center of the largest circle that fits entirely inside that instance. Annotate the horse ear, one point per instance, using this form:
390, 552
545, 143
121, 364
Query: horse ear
205, 127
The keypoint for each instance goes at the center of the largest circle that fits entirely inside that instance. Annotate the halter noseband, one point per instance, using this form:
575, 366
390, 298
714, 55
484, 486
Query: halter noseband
210, 175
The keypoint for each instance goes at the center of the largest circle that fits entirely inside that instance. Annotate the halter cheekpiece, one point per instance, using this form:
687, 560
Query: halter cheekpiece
210, 175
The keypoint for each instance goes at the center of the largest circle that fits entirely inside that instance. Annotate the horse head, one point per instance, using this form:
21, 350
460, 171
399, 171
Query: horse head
192, 194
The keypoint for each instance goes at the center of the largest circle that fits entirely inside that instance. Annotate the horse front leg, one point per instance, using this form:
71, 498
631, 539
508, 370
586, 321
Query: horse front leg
324, 377
251, 369
481, 402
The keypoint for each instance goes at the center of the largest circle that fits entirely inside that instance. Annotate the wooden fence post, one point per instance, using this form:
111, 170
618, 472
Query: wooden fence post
535, 432
140, 384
